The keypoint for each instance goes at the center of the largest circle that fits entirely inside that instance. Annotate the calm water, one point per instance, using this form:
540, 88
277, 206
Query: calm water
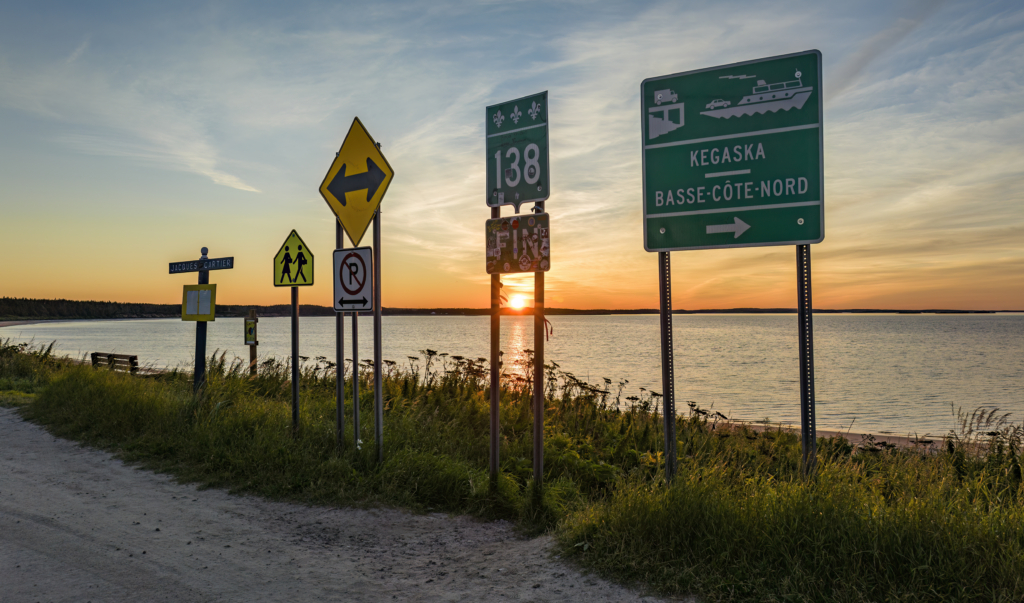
879, 373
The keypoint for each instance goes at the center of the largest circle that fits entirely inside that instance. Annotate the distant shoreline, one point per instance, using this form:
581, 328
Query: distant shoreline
310, 310
20, 310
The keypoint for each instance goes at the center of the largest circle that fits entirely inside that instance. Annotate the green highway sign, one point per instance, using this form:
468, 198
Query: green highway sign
732, 155
517, 151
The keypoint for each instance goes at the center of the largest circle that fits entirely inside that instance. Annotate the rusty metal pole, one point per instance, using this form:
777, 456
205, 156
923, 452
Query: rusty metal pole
495, 365
539, 335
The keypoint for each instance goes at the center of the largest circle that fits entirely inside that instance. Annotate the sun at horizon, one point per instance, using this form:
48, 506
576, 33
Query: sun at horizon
517, 301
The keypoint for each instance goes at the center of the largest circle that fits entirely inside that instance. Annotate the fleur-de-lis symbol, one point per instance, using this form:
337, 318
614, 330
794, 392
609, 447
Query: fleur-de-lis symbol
516, 114
498, 118
534, 110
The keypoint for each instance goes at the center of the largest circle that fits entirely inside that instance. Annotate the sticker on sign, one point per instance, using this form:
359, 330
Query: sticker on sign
353, 279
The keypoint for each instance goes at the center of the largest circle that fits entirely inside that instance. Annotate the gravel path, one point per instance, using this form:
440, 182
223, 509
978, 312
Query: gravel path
78, 525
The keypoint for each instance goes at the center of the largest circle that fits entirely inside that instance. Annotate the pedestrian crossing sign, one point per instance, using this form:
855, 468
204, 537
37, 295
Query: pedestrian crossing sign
293, 264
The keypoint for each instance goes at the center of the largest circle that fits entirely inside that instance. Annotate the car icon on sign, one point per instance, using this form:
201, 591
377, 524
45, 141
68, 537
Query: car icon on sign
665, 96
718, 103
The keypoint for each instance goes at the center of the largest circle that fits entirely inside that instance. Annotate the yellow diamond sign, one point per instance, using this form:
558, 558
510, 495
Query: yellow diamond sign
293, 264
357, 181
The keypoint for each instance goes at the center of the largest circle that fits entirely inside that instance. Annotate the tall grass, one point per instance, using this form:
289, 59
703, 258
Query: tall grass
738, 523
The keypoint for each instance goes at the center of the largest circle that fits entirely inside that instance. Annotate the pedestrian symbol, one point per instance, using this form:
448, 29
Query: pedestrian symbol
293, 265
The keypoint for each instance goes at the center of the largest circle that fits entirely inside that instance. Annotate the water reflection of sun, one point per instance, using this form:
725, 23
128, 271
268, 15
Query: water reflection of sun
520, 336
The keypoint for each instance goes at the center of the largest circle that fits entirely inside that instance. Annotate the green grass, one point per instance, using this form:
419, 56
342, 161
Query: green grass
738, 523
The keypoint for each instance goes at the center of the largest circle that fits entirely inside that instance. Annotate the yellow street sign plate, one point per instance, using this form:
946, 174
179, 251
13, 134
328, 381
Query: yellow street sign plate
293, 264
357, 181
199, 303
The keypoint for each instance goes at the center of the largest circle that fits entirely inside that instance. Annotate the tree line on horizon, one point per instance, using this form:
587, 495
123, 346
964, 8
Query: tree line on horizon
18, 308
24, 308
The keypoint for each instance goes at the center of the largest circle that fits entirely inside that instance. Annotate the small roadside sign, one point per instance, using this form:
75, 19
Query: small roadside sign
517, 151
353, 279
518, 244
732, 155
293, 264
356, 181
250, 331
199, 303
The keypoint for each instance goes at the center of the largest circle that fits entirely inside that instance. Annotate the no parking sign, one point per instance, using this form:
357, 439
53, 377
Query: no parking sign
353, 279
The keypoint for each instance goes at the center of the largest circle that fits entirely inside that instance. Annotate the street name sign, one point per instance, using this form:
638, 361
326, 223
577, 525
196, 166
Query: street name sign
518, 244
199, 303
517, 151
293, 264
197, 265
353, 279
356, 182
732, 155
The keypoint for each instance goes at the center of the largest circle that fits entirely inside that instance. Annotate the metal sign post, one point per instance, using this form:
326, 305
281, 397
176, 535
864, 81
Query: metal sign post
355, 381
667, 365
290, 271
808, 428
539, 334
732, 157
495, 366
199, 374
203, 266
517, 172
251, 340
295, 359
378, 376
339, 354
354, 188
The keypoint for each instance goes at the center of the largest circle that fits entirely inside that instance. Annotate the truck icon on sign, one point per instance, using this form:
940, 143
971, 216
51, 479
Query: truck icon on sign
665, 96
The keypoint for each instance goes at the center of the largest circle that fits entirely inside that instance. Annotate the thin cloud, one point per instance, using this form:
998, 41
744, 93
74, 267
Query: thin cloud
124, 120
78, 51
877, 45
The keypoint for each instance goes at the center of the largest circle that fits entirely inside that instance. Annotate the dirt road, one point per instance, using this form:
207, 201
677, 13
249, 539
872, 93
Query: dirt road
78, 525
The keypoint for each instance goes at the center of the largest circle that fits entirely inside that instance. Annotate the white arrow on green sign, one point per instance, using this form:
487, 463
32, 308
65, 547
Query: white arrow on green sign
732, 155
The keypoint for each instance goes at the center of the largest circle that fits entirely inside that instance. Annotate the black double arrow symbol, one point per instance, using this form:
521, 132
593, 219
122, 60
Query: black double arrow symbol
354, 302
370, 180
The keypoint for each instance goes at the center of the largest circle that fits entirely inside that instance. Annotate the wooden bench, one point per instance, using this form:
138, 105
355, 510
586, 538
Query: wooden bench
116, 362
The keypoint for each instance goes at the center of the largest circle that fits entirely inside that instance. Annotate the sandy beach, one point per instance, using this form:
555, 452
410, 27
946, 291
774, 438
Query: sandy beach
11, 323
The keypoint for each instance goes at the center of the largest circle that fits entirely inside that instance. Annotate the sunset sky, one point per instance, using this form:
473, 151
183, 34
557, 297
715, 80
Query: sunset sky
135, 133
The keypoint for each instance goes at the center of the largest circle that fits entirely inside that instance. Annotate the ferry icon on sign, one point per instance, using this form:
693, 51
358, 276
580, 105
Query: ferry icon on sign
764, 98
